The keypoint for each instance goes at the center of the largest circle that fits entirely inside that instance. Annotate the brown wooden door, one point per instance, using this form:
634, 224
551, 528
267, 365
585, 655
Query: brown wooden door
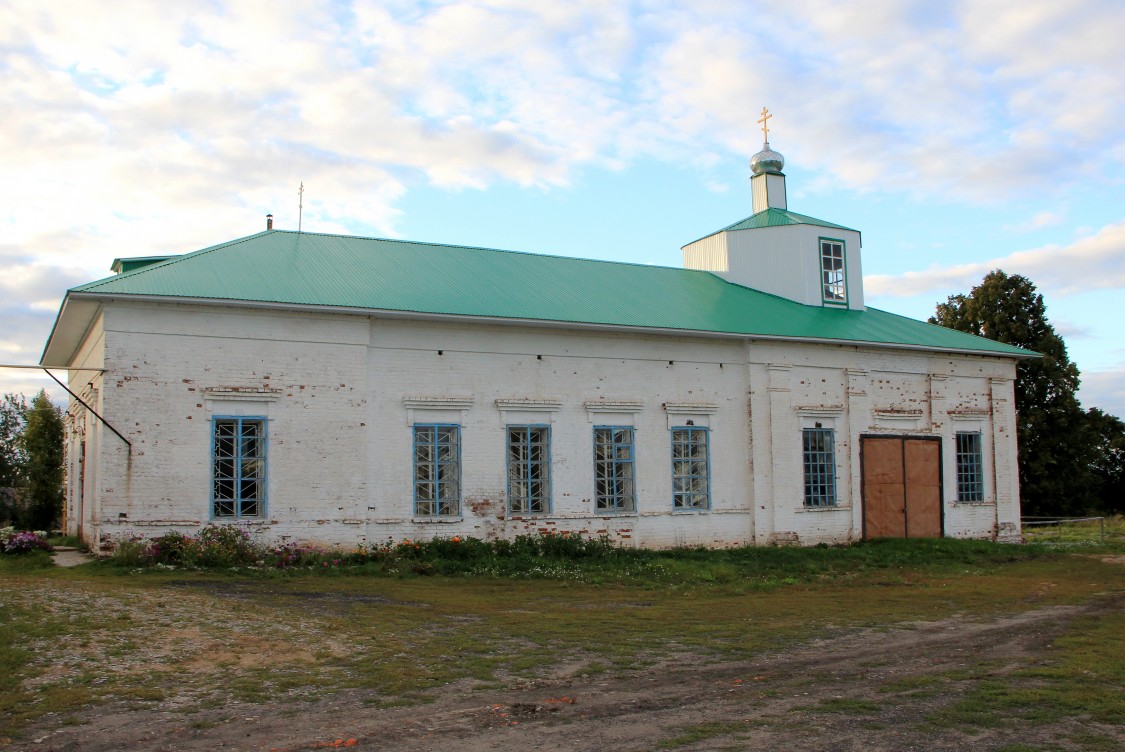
901, 487
923, 488
884, 507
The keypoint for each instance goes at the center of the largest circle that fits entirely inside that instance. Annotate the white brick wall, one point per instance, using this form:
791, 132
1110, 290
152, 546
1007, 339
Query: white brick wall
340, 440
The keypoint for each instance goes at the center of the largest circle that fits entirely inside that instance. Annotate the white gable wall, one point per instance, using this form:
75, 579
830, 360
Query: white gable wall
83, 460
340, 391
783, 260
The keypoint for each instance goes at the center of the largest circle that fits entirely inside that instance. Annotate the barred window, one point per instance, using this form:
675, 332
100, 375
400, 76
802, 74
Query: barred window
613, 469
970, 467
437, 470
238, 467
529, 469
690, 469
819, 455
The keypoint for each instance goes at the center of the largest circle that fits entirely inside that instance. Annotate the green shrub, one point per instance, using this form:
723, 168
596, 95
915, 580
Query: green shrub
172, 548
213, 547
132, 551
14, 541
221, 546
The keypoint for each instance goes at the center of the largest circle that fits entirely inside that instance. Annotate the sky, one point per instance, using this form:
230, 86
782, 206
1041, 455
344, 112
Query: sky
959, 137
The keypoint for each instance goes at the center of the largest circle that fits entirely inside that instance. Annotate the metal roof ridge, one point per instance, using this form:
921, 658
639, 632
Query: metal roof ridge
255, 236
492, 250
816, 220
724, 229
168, 262
796, 217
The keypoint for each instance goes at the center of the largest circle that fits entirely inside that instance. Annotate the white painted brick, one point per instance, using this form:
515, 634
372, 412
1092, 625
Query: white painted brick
340, 442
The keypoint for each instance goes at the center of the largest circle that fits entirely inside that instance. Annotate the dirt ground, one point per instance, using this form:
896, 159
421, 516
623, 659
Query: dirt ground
828, 693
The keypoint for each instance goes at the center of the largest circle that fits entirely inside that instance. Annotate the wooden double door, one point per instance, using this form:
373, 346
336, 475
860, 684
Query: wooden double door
901, 487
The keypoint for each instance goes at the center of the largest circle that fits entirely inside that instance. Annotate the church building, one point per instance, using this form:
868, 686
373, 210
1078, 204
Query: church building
345, 390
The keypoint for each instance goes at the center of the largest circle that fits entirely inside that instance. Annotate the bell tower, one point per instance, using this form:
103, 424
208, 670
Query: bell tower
779, 251
767, 181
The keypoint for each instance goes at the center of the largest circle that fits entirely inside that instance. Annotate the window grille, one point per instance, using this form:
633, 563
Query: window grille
820, 467
970, 467
613, 469
529, 469
832, 271
690, 469
437, 470
238, 467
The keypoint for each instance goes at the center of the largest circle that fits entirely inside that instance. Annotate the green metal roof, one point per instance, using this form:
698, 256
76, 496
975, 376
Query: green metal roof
136, 262
337, 271
775, 218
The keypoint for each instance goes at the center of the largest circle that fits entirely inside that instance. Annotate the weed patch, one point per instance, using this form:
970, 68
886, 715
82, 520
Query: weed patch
701, 732
847, 705
573, 558
1079, 676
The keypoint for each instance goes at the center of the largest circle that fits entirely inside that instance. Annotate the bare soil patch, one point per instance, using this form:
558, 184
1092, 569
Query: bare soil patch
866, 689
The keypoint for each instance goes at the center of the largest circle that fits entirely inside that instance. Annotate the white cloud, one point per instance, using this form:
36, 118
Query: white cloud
1089, 263
1039, 221
1069, 330
226, 105
1105, 390
137, 128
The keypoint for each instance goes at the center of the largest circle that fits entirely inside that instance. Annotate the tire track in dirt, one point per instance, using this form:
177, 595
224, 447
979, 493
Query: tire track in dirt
769, 702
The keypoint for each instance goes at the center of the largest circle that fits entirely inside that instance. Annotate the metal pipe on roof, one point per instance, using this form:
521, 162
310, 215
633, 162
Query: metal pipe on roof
72, 394
55, 368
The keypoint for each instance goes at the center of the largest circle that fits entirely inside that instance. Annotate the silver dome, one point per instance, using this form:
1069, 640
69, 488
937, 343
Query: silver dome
767, 160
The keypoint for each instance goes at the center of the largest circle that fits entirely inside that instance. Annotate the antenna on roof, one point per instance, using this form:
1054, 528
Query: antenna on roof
300, 204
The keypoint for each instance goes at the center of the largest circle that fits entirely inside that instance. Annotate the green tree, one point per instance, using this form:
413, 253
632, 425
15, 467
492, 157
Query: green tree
1055, 443
1108, 466
43, 442
13, 461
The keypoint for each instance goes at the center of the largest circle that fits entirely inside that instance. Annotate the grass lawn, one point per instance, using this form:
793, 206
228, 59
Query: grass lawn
195, 640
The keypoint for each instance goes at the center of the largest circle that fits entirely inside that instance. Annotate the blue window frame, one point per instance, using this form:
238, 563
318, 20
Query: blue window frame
819, 459
970, 467
238, 467
437, 470
691, 468
834, 277
529, 469
613, 469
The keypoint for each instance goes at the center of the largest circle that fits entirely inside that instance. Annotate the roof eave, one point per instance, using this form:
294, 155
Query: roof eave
513, 321
72, 324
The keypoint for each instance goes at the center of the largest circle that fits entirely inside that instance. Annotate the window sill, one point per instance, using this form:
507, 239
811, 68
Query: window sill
691, 511
955, 503
437, 520
837, 508
606, 513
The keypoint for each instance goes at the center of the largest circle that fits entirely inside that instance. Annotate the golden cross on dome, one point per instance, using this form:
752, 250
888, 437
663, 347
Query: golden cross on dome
765, 126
